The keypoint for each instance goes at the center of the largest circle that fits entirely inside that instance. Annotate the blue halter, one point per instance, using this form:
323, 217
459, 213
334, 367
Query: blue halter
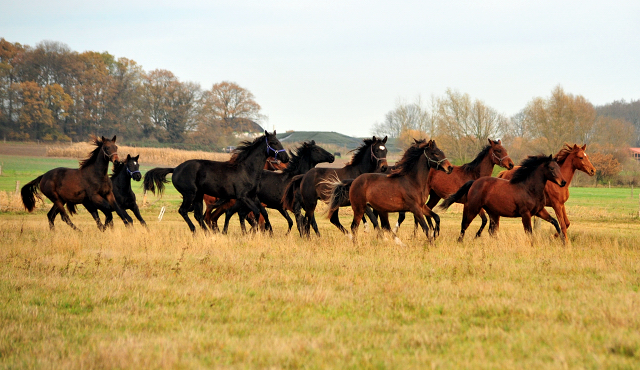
132, 172
275, 152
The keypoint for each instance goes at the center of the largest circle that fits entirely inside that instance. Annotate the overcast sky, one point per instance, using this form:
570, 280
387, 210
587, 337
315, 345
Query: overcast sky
342, 65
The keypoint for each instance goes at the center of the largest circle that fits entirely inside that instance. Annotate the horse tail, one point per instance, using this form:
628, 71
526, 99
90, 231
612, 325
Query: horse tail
29, 192
289, 196
156, 178
457, 196
339, 194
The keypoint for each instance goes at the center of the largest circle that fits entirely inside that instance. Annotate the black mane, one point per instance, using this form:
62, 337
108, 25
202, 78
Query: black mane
409, 159
473, 165
295, 159
118, 167
528, 167
94, 154
243, 150
360, 152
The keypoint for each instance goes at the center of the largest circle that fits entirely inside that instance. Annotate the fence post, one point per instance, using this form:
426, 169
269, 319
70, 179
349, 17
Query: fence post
17, 187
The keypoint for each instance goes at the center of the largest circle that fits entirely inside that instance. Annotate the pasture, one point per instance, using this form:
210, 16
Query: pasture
162, 298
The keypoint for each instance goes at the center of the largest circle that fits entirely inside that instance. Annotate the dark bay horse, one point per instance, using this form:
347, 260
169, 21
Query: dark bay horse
570, 158
304, 191
405, 189
212, 203
443, 185
123, 173
273, 184
89, 185
237, 178
522, 196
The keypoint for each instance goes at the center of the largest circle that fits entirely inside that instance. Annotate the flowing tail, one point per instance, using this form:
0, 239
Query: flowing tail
290, 193
339, 195
457, 196
29, 194
156, 177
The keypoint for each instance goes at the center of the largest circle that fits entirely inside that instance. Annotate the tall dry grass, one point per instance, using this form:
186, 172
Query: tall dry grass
158, 156
164, 298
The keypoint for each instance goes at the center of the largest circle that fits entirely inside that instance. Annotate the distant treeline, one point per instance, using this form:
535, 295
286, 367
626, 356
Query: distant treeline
51, 93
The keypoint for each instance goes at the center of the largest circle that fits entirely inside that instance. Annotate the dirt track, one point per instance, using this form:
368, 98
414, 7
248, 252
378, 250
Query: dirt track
23, 149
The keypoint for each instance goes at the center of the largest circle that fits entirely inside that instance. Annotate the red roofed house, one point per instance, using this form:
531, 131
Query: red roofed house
636, 153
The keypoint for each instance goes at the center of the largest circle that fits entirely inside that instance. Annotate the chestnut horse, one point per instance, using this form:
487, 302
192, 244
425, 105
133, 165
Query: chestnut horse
89, 185
443, 185
304, 191
570, 159
522, 196
405, 189
212, 203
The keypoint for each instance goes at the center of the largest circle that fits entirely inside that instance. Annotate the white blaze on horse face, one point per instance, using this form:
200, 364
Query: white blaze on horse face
135, 163
382, 147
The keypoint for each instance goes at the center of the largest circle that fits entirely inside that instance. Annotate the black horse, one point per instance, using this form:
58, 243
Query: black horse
273, 184
237, 178
305, 190
121, 177
89, 185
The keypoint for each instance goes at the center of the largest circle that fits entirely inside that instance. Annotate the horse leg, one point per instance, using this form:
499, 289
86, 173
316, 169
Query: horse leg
430, 214
207, 215
64, 214
335, 219
494, 225
286, 216
198, 212
96, 217
561, 214
136, 212
483, 217
228, 214
187, 201
468, 215
51, 215
544, 214
373, 216
433, 201
401, 217
526, 223
419, 216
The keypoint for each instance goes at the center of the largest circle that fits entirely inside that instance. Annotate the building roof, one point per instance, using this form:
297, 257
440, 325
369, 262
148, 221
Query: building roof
635, 150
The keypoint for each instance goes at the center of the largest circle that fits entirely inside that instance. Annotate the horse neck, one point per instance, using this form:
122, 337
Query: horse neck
122, 180
254, 161
368, 164
568, 170
101, 165
536, 182
485, 168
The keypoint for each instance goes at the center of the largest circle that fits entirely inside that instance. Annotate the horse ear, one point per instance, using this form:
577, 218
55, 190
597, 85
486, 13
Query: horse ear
266, 133
274, 132
114, 138
313, 142
128, 156
136, 157
103, 139
384, 141
374, 137
499, 142
584, 147
490, 141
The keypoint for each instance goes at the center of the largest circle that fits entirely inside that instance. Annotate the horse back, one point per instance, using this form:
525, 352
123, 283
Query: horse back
446, 184
215, 178
73, 185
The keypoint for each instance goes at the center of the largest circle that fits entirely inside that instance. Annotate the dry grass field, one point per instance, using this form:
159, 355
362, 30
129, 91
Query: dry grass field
162, 298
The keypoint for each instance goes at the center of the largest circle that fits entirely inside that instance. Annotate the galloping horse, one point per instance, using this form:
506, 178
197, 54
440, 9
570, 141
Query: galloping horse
570, 159
223, 205
304, 190
405, 189
522, 196
89, 185
272, 184
237, 178
442, 186
121, 177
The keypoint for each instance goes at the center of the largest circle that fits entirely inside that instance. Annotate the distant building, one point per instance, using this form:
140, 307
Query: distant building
636, 153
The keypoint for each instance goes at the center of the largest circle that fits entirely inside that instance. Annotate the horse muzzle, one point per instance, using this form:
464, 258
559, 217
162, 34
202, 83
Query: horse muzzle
562, 184
136, 176
449, 170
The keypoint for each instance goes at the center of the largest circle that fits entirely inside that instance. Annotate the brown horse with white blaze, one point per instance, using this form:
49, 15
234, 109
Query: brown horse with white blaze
522, 196
570, 158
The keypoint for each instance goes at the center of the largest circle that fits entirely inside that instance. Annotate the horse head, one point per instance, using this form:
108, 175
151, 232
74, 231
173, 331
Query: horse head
110, 149
379, 153
318, 154
436, 157
552, 172
133, 167
275, 148
580, 160
499, 155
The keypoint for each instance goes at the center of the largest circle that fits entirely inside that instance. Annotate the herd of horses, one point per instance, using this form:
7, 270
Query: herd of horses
262, 174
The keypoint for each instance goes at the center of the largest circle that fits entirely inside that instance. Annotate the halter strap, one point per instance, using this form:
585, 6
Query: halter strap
438, 163
108, 155
374, 156
275, 152
132, 172
498, 158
